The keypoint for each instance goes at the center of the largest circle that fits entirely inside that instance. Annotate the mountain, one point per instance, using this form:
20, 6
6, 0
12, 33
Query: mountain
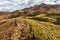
43, 8
12, 5
47, 8
35, 23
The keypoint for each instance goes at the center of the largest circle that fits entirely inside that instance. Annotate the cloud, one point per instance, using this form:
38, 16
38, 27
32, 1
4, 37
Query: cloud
12, 5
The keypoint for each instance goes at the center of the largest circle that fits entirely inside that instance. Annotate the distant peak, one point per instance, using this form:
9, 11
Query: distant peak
43, 4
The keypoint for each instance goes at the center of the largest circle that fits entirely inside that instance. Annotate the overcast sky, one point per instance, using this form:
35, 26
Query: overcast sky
12, 5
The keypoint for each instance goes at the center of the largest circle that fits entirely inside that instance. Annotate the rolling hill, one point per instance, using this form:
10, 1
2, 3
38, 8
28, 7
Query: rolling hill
31, 24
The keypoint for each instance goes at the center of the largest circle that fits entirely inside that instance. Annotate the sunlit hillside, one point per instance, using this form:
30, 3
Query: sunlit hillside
36, 26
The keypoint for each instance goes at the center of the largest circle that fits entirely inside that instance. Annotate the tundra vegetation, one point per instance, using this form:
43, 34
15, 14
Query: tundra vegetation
36, 26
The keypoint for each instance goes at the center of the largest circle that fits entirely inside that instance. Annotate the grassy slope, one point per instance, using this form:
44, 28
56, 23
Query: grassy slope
32, 27
44, 30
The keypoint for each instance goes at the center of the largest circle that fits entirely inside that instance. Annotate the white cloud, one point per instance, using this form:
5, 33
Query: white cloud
12, 5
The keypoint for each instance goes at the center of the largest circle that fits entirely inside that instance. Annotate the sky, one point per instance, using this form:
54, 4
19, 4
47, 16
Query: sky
13, 5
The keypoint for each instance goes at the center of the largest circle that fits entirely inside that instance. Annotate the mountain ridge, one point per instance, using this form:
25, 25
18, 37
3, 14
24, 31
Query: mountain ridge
30, 24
